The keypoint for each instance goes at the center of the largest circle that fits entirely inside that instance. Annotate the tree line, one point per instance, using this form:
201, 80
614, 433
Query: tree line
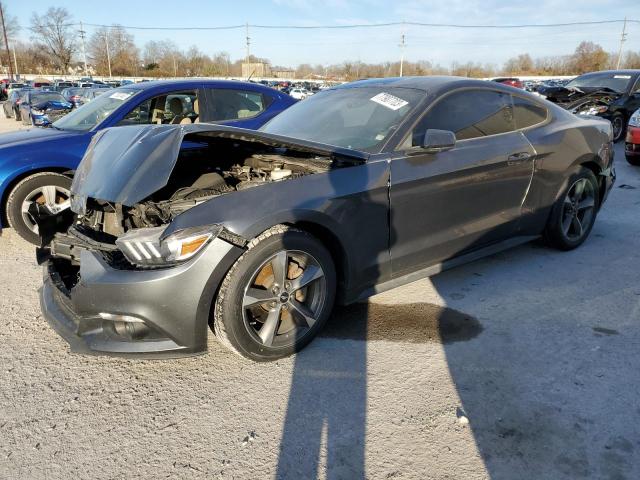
56, 46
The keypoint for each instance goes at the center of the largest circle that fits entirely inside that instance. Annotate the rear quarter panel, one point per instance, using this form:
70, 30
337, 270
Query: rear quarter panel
566, 141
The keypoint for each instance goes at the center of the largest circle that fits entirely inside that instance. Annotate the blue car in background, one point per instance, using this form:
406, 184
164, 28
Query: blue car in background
40, 108
37, 165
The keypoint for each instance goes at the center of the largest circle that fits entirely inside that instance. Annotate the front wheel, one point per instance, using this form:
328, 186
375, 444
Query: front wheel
574, 213
277, 296
619, 126
51, 191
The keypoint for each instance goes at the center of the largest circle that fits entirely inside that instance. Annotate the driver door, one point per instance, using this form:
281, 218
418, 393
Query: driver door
448, 203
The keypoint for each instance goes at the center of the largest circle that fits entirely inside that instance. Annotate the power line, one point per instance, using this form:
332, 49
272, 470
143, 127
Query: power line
623, 38
367, 25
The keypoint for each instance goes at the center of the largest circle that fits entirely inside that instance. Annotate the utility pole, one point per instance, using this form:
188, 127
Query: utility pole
248, 42
84, 52
106, 41
402, 46
15, 61
6, 42
623, 38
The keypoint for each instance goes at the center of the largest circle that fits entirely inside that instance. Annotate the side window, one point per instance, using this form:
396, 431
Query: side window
468, 114
168, 108
233, 104
527, 113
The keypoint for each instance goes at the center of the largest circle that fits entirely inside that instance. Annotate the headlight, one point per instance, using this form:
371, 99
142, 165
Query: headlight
595, 110
634, 121
146, 247
35, 111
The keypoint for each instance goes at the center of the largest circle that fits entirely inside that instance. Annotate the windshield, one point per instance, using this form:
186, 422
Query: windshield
46, 97
94, 112
618, 82
359, 118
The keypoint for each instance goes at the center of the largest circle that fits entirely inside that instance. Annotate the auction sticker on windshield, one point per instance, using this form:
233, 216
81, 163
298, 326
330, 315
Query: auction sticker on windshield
389, 101
120, 95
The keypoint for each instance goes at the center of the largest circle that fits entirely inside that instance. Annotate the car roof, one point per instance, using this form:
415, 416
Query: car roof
194, 83
432, 84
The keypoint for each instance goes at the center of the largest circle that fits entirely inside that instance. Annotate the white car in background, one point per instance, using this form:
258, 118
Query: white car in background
299, 93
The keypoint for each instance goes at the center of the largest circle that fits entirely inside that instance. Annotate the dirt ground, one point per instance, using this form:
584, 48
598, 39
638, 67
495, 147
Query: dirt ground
520, 366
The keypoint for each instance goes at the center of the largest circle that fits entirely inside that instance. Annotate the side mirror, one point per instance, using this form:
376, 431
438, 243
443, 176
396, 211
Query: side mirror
438, 140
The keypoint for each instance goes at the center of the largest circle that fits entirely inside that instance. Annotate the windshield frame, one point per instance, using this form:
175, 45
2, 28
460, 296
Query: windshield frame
134, 93
375, 149
603, 75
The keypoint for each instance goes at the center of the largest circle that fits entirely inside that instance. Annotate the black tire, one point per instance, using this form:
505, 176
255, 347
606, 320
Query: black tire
619, 125
235, 325
569, 207
22, 191
633, 160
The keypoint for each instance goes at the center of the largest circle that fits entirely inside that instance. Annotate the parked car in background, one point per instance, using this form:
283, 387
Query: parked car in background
6, 90
74, 95
60, 85
40, 108
11, 104
511, 81
356, 190
299, 93
79, 96
612, 94
632, 140
36, 165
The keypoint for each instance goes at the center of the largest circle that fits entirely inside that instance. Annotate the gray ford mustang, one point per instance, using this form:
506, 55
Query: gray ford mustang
356, 190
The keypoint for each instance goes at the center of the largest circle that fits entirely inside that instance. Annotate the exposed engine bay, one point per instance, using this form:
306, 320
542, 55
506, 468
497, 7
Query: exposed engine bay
580, 102
203, 171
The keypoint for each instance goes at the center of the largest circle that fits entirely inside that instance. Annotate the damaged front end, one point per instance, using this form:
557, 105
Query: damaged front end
119, 279
580, 102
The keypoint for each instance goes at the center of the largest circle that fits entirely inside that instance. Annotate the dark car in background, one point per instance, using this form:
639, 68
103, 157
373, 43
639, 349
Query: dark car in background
356, 190
12, 103
36, 165
41, 108
78, 96
611, 94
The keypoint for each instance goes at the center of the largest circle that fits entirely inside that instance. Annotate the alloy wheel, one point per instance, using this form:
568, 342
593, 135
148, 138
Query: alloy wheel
578, 209
54, 199
284, 298
618, 126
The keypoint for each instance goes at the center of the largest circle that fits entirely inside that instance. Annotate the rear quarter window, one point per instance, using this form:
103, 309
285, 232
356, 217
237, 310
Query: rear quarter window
527, 113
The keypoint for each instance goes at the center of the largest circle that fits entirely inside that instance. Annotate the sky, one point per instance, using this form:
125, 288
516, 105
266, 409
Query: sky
329, 46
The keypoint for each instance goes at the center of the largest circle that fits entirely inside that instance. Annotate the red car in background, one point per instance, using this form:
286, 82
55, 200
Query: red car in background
632, 141
511, 81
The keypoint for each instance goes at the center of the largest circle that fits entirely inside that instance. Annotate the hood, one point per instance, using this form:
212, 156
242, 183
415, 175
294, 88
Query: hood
127, 164
52, 105
32, 135
570, 97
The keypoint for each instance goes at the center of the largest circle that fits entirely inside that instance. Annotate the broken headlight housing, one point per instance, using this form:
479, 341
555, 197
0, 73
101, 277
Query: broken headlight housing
146, 247
595, 110
634, 121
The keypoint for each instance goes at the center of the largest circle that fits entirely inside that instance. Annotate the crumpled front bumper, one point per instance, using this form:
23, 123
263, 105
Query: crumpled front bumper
170, 307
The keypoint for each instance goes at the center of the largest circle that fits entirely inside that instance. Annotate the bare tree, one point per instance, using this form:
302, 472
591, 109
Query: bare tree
589, 57
54, 33
123, 53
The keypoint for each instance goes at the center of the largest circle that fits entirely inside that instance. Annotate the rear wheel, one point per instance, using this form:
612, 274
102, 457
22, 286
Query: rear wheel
277, 296
51, 191
574, 213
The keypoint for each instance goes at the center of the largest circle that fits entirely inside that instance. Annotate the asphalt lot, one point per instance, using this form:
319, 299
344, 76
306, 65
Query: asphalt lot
520, 366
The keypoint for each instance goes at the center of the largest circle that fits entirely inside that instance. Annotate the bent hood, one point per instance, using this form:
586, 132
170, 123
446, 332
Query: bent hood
570, 97
127, 164
52, 105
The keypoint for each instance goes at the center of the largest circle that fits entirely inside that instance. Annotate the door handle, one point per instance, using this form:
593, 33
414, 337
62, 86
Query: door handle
519, 157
